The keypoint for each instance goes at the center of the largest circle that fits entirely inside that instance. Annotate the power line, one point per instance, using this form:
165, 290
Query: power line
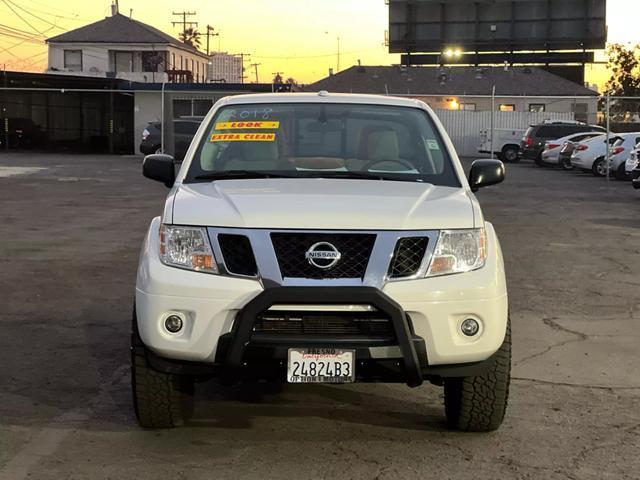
184, 22
210, 33
50, 9
242, 55
21, 17
54, 25
255, 67
16, 30
293, 57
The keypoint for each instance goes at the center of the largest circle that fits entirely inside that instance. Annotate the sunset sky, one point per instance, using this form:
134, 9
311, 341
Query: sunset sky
299, 38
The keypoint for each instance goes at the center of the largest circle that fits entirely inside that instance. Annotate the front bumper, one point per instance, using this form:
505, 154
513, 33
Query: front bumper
219, 313
530, 153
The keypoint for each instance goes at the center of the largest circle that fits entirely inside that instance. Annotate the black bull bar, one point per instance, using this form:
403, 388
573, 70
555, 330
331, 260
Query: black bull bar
411, 347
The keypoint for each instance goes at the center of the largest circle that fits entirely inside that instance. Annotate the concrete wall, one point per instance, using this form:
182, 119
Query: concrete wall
147, 107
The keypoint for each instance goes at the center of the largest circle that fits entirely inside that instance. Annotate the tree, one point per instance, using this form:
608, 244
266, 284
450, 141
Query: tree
624, 64
277, 79
191, 36
291, 81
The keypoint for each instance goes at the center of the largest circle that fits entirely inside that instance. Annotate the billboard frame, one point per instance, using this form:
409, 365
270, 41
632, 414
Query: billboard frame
404, 35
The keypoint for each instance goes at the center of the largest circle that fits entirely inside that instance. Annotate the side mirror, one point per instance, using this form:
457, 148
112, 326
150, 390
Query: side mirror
484, 173
159, 167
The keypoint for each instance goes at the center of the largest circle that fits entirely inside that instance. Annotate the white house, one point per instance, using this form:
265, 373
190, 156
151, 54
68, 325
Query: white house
120, 47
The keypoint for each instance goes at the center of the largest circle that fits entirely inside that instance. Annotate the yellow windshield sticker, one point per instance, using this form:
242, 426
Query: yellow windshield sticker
247, 125
243, 137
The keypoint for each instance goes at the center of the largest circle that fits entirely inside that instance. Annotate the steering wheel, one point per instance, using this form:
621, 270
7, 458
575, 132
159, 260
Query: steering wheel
399, 161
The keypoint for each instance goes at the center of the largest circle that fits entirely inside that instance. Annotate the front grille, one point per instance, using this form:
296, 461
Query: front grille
238, 254
408, 256
325, 323
355, 250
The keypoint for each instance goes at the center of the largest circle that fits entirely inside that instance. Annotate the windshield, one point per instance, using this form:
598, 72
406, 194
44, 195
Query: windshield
323, 140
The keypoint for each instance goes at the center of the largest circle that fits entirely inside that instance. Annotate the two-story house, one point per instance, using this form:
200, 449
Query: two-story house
120, 47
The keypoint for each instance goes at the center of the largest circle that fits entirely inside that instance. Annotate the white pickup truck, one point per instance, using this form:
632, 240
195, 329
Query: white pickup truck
319, 238
506, 145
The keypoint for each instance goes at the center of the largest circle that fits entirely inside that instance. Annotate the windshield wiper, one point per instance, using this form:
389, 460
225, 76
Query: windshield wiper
232, 174
356, 175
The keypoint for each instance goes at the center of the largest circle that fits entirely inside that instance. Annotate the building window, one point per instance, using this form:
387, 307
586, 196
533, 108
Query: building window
201, 107
507, 107
182, 108
73, 60
537, 107
173, 61
123, 61
467, 106
151, 61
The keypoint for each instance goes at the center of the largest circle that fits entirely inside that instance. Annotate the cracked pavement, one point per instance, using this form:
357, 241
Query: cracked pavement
69, 241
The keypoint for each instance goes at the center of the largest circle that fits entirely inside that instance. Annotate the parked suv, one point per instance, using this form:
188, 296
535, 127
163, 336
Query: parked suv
319, 238
534, 139
183, 129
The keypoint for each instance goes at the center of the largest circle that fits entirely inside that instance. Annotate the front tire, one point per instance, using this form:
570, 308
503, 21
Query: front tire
599, 168
510, 154
621, 173
161, 400
479, 403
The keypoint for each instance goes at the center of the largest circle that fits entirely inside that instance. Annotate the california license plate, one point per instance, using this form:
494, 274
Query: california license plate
320, 365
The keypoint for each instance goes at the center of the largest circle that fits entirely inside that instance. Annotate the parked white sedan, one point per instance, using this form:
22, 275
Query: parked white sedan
551, 152
620, 152
590, 155
633, 161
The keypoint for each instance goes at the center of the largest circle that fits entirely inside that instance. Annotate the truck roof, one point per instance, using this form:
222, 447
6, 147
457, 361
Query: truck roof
321, 97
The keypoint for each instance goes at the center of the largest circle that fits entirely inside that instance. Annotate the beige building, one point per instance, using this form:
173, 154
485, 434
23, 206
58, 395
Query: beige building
225, 68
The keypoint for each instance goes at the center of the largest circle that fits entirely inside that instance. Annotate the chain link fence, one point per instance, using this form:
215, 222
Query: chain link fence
131, 121
116, 121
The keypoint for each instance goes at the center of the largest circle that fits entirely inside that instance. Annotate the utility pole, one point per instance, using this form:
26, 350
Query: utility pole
210, 33
255, 67
3, 106
184, 21
242, 55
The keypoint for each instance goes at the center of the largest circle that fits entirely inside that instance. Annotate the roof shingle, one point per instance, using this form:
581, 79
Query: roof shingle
395, 80
119, 29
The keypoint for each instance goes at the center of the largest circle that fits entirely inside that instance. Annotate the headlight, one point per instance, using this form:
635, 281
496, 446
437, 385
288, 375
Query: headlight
459, 251
187, 247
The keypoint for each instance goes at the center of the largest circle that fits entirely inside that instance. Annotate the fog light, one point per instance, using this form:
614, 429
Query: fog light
469, 327
173, 323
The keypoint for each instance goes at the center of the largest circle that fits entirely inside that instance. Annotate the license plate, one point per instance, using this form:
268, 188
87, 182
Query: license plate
320, 365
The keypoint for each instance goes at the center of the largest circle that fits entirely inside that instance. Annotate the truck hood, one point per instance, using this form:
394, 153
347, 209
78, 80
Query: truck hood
320, 203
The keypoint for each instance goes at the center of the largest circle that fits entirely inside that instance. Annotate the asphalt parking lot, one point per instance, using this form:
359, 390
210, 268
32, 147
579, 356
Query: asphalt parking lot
69, 238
